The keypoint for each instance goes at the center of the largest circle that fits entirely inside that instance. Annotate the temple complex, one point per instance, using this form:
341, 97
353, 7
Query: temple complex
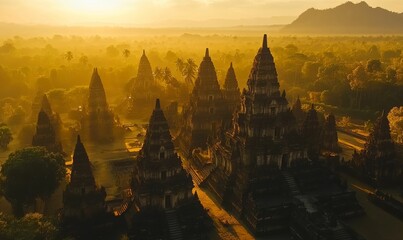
262, 170
98, 123
163, 206
205, 113
83, 200
144, 89
378, 158
45, 135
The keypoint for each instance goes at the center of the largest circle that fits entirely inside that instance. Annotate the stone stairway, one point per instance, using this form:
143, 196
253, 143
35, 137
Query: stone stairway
199, 176
292, 185
341, 234
175, 231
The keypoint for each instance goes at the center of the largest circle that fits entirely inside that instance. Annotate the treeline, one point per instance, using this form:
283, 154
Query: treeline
346, 72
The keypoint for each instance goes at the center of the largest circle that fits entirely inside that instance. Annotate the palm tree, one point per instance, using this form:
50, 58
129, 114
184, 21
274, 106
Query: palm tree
180, 64
126, 53
158, 73
167, 75
83, 60
68, 56
189, 71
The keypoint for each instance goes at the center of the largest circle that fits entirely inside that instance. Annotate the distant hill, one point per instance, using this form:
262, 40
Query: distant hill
348, 18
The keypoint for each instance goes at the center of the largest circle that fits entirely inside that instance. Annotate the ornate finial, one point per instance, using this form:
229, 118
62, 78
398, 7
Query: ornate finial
264, 42
157, 104
78, 138
144, 52
207, 53
230, 65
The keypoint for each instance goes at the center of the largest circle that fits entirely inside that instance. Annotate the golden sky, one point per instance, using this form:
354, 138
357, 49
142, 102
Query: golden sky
154, 12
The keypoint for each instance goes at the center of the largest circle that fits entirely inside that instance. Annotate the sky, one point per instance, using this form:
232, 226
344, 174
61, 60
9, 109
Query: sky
163, 12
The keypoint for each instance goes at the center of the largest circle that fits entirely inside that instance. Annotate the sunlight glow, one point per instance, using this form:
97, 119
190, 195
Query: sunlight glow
94, 6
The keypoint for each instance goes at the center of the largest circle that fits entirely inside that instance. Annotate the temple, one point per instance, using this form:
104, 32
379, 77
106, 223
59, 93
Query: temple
299, 114
98, 124
262, 171
232, 95
83, 200
205, 113
311, 130
377, 160
45, 135
330, 140
144, 89
163, 206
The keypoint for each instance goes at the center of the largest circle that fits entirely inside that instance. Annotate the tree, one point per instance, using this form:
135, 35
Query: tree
374, 65
83, 60
5, 136
189, 71
180, 64
358, 79
32, 226
395, 117
158, 73
68, 56
126, 53
28, 174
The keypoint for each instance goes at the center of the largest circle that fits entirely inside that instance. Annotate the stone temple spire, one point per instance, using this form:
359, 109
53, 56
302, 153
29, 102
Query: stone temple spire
231, 82
145, 75
45, 135
83, 200
311, 130
207, 76
329, 135
46, 105
263, 76
379, 154
81, 174
158, 139
159, 166
97, 97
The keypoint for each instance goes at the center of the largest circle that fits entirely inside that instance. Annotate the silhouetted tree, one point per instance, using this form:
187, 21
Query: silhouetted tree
68, 56
28, 174
358, 79
126, 53
5, 136
83, 60
189, 71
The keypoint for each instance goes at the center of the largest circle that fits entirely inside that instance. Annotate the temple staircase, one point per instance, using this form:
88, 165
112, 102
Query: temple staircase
341, 234
292, 185
175, 231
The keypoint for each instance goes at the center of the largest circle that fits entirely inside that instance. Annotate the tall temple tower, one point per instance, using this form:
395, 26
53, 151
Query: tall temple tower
45, 134
206, 110
330, 140
299, 114
231, 93
83, 200
144, 89
98, 123
378, 155
311, 130
161, 187
262, 141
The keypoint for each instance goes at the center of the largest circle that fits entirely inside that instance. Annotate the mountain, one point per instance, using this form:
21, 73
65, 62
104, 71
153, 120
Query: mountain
348, 18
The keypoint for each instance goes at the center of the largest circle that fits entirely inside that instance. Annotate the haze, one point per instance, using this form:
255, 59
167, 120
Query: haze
165, 12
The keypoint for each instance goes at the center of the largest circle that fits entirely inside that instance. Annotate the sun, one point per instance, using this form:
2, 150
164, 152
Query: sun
94, 6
